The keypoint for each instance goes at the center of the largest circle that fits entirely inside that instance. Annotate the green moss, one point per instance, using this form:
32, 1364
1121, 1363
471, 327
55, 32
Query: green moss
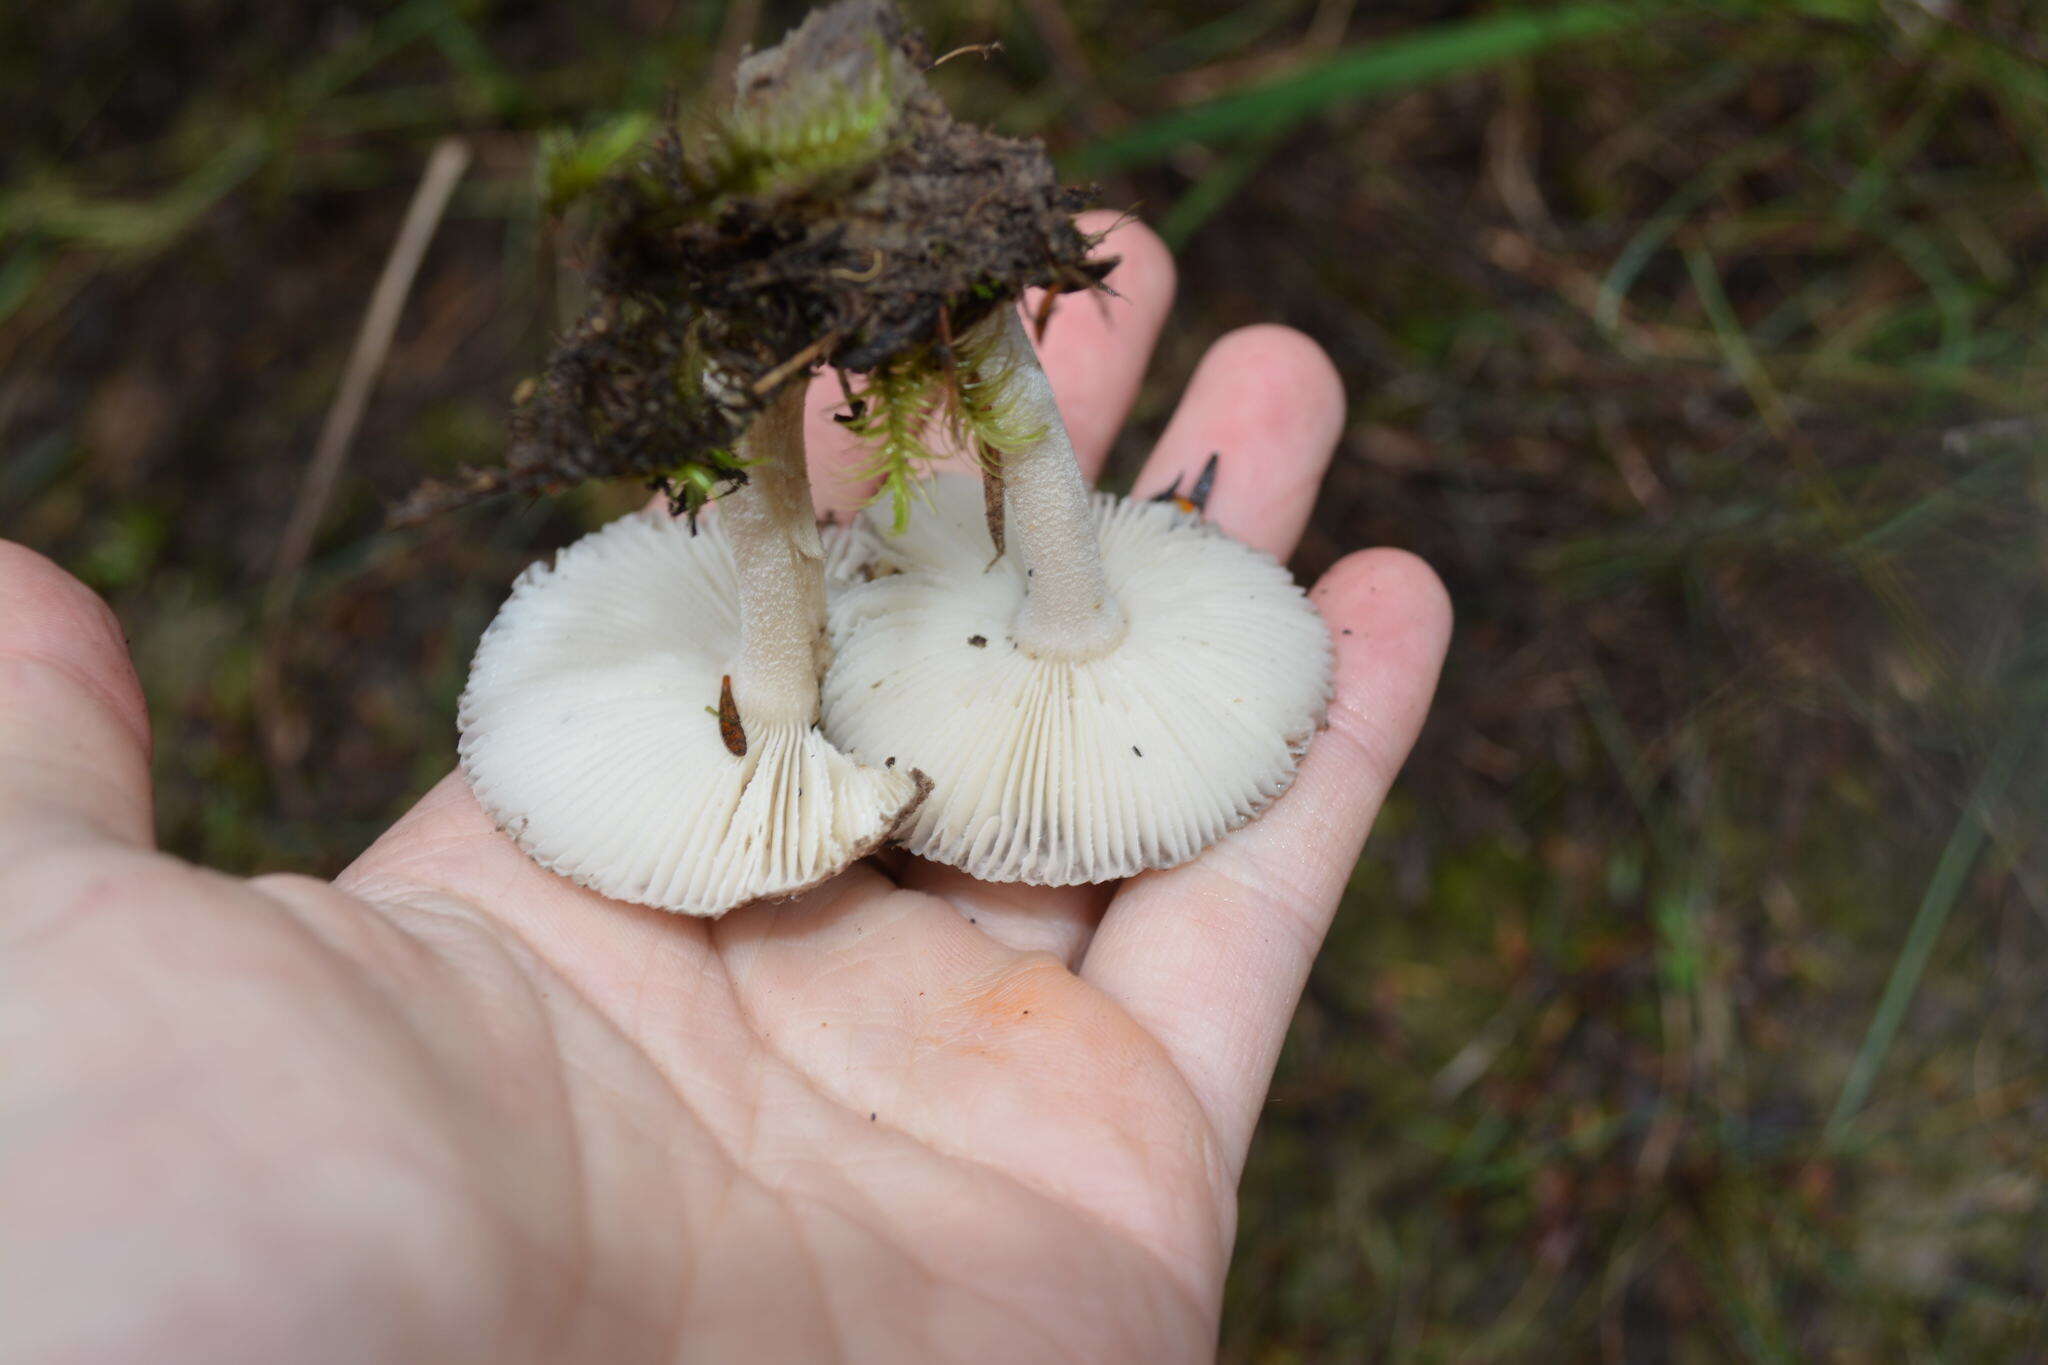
568, 167
789, 144
897, 408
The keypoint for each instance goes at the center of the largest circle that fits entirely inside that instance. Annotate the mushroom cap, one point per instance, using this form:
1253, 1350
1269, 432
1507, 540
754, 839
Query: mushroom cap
1057, 772
585, 733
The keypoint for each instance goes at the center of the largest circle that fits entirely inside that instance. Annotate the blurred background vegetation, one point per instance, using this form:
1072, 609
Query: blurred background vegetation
1692, 1003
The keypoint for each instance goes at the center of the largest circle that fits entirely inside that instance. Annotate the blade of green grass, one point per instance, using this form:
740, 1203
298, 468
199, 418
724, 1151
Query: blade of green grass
1689, 198
1235, 31
19, 275
1944, 889
59, 211
62, 211
1271, 109
1209, 194
478, 67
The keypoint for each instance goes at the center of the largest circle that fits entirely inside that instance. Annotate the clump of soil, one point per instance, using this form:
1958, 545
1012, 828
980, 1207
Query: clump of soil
838, 215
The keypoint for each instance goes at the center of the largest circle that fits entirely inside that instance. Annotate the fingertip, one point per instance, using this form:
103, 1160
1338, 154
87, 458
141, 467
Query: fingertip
1387, 590
1289, 380
1145, 272
35, 591
1390, 620
1268, 402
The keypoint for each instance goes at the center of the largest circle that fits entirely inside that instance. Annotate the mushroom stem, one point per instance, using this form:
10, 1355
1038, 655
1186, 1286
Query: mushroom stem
775, 547
1069, 611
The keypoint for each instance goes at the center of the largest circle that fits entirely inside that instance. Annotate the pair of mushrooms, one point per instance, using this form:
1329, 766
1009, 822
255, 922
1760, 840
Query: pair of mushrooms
695, 717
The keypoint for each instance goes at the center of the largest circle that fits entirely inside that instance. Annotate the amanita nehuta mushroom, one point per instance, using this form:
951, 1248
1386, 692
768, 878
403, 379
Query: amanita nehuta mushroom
641, 715
1118, 690
599, 728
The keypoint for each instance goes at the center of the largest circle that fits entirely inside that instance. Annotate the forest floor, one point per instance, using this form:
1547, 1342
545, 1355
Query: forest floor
1692, 1000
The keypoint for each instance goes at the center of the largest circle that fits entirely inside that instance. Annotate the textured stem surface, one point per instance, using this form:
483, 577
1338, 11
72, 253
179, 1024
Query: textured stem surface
1068, 611
774, 536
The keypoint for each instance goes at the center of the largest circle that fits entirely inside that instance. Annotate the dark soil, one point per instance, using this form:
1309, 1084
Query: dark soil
838, 216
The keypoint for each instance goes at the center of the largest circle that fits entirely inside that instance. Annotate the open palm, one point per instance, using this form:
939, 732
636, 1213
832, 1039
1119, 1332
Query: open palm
452, 1107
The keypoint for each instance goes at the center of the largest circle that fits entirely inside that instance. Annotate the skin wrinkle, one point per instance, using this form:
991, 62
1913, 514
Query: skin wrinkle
530, 950
887, 1227
431, 1164
687, 1280
1370, 738
1172, 1061
1250, 903
526, 959
1246, 1016
379, 977
739, 1172
833, 1328
594, 1302
86, 815
372, 941
74, 911
1226, 1191
660, 948
1256, 904
577, 1294
625, 1117
51, 839
883, 1229
430, 956
31, 576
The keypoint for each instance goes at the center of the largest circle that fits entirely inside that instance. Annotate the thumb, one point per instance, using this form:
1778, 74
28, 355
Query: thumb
74, 734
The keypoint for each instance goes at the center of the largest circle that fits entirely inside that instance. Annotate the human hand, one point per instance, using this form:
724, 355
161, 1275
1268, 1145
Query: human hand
451, 1107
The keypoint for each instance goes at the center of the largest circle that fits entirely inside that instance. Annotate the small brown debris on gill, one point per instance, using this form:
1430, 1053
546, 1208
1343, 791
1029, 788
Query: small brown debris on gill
729, 728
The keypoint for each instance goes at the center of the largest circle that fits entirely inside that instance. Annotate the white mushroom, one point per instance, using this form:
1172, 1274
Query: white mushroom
640, 716
1119, 690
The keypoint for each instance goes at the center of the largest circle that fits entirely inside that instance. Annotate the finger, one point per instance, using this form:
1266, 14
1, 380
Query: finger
1211, 956
834, 455
1269, 404
1094, 351
74, 733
